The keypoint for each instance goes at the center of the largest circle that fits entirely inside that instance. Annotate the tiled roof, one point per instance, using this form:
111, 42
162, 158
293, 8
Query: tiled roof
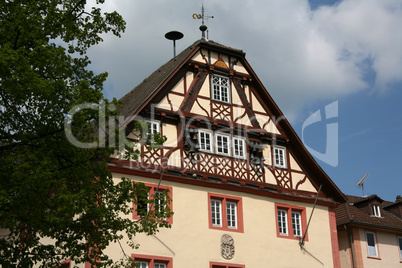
349, 213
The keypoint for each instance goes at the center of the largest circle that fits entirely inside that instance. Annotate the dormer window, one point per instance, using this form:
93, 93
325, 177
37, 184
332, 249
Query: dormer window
220, 89
375, 209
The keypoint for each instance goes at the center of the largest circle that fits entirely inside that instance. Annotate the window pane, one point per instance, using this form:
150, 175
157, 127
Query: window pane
205, 141
282, 222
220, 87
279, 155
372, 251
222, 144
216, 212
142, 264
231, 213
142, 202
160, 265
238, 145
159, 202
296, 223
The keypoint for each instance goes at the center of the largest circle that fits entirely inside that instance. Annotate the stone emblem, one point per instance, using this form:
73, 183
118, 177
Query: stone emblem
227, 247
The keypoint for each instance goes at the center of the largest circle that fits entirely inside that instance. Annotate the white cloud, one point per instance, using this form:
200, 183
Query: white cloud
308, 55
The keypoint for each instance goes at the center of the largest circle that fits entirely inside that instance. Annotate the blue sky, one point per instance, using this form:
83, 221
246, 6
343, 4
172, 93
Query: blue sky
308, 54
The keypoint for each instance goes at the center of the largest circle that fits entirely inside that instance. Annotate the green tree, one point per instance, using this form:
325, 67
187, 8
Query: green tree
49, 188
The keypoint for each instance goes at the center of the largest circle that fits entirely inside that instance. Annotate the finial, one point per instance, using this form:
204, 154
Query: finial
201, 16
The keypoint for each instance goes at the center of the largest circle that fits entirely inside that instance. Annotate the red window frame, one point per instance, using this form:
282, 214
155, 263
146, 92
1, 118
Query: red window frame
225, 265
289, 209
151, 259
152, 188
239, 212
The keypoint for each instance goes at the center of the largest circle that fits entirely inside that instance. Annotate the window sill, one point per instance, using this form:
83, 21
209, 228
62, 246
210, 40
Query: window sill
374, 258
227, 229
224, 155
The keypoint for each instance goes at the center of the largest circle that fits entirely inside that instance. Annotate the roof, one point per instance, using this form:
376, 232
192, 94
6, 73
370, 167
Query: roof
134, 101
349, 213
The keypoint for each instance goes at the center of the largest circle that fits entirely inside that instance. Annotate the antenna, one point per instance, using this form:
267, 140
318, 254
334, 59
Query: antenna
361, 182
174, 35
201, 16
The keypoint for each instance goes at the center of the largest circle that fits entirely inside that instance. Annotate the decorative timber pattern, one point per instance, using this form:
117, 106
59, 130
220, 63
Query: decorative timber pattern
246, 103
193, 92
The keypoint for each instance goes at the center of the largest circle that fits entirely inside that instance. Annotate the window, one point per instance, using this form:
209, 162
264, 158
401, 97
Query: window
225, 213
239, 149
222, 144
143, 206
282, 222
225, 265
280, 157
154, 128
205, 141
375, 209
286, 214
148, 261
400, 246
296, 224
371, 245
220, 89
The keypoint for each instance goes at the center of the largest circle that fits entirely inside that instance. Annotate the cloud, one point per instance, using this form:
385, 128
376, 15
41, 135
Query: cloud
310, 55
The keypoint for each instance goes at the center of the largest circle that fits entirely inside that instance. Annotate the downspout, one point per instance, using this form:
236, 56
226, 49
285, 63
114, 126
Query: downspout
351, 244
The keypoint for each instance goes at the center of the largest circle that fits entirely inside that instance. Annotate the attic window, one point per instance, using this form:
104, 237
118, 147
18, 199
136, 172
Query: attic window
376, 210
220, 89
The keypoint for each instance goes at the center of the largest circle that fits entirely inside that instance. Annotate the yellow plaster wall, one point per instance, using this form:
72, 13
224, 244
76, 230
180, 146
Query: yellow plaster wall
388, 250
170, 131
293, 164
204, 91
179, 87
198, 57
256, 104
344, 249
240, 68
191, 241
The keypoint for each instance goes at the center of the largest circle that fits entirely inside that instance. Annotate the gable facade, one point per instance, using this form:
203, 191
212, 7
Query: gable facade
242, 184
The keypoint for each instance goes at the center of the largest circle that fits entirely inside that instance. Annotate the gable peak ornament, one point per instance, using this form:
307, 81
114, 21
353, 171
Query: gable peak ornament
227, 247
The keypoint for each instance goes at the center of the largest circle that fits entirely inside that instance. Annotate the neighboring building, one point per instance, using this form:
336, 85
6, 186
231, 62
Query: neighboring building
242, 183
370, 232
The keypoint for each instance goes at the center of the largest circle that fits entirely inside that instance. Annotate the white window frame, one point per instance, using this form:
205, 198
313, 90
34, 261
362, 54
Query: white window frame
142, 263
240, 152
400, 247
282, 215
280, 157
216, 212
296, 224
159, 265
203, 146
219, 149
218, 90
231, 214
372, 249
159, 203
375, 209
155, 126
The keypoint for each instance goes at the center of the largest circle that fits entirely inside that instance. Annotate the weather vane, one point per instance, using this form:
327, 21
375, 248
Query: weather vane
202, 17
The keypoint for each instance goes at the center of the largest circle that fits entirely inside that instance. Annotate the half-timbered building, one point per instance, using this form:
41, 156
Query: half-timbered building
243, 186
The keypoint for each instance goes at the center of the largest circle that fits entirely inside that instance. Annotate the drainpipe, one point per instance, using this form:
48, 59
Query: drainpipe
351, 243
